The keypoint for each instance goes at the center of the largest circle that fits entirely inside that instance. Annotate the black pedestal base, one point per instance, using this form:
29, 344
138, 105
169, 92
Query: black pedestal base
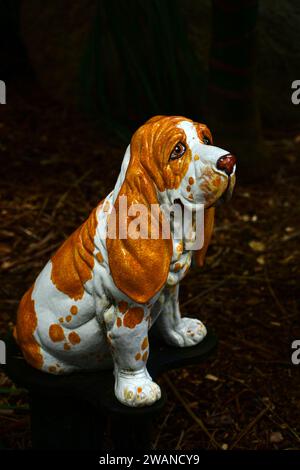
71, 412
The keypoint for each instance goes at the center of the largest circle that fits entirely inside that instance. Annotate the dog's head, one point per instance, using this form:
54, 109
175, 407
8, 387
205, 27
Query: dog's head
182, 161
171, 158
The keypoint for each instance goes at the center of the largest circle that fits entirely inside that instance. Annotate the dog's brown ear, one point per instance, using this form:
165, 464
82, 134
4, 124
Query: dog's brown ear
209, 218
139, 267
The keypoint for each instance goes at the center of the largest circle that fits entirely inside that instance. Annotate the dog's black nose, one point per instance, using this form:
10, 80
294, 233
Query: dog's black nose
226, 163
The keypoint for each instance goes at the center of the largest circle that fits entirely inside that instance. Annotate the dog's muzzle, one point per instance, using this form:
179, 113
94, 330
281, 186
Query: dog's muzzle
227, 163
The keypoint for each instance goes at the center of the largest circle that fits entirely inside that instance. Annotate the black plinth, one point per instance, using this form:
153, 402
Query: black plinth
71, 411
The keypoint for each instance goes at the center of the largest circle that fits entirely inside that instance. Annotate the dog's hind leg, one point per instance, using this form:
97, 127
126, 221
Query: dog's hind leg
175, 329
55, 365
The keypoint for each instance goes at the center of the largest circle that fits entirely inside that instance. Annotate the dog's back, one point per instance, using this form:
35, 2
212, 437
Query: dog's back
57, 314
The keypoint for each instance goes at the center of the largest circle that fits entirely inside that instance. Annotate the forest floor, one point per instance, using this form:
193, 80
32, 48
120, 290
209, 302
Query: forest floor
56, 167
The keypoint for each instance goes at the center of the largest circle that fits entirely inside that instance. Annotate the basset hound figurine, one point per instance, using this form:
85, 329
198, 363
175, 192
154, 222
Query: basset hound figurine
94, 302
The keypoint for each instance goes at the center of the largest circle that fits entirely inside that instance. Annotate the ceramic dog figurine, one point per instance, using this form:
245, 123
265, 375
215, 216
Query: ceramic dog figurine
94, 302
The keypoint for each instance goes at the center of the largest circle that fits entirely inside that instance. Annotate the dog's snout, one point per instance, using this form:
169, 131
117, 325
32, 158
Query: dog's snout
226, 163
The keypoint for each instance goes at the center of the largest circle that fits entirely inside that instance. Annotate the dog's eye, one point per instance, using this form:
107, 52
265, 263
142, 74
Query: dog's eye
206, 140
178, 151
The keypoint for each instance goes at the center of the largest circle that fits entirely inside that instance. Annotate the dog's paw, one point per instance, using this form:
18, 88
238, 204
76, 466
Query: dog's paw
136, 388
188, 332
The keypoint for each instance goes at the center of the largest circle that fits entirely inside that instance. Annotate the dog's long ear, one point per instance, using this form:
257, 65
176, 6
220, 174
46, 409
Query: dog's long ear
209, 218
139, 267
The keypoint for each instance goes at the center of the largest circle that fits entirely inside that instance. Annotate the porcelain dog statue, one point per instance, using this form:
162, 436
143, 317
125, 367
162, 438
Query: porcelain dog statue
94, 302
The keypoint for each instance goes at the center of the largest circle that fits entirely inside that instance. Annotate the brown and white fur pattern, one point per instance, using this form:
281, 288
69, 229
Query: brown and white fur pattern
94, 302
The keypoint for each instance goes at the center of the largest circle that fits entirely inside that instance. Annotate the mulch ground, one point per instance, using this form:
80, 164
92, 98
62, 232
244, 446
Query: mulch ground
55, 168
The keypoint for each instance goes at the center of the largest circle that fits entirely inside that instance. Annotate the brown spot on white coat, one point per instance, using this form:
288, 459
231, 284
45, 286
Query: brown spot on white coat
25, 328
133, 317
56, 333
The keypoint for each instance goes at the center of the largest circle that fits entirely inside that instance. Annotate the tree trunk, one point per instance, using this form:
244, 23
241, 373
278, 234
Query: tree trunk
232, 105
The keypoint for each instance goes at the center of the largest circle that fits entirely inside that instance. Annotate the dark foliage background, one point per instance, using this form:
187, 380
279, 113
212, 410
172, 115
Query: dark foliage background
81, 76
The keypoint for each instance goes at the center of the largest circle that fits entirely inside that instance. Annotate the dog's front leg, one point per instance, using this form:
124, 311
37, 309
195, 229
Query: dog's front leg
175, 329
127, 334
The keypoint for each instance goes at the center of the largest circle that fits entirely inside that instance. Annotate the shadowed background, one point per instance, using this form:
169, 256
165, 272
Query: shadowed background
81, 76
